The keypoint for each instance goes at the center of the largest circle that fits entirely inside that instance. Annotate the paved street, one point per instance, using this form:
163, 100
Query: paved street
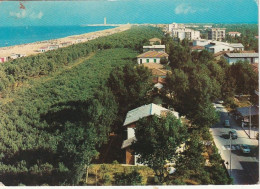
244, 167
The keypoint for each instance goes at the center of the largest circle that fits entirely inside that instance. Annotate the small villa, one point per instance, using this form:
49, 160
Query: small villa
151, 57
130, 122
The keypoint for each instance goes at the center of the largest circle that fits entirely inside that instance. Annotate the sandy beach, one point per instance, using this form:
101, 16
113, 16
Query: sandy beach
33, 48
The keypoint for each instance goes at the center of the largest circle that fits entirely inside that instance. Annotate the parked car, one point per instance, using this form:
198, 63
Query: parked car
220, 101
245, 148
233, 134
226, 123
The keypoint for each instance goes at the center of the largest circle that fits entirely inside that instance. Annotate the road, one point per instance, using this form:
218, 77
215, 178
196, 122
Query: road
244, 167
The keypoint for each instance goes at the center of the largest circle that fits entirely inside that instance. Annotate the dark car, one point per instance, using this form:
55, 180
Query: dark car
226, 123
233, 134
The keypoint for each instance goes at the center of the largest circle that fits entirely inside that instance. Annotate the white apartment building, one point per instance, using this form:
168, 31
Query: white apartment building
175, 26
182, 33
217, 34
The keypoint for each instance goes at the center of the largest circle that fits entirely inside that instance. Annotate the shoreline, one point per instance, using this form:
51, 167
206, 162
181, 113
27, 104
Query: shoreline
33, 48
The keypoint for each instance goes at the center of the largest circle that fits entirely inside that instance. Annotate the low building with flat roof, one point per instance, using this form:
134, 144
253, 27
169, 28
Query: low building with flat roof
234, 34
235, 57
159, 48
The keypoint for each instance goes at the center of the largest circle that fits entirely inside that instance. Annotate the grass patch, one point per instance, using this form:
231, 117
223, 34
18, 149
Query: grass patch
105, 173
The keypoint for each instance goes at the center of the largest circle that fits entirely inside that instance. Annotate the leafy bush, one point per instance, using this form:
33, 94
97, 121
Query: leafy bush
123, 179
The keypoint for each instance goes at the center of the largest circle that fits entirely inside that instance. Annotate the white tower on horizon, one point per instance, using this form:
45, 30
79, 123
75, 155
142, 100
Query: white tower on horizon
105, 21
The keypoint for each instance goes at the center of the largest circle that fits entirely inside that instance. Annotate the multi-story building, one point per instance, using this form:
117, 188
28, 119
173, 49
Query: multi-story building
185, 33
175, 26
217, 34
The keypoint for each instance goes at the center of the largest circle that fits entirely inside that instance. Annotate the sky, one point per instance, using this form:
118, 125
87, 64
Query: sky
46, 13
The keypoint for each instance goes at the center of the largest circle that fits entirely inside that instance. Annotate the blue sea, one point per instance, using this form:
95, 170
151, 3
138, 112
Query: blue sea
10, 36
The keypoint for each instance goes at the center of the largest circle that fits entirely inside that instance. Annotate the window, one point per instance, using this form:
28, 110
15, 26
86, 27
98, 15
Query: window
141, 61
154, 60
147, 60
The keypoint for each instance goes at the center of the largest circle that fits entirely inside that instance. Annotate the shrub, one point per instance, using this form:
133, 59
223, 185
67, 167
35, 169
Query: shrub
133, 178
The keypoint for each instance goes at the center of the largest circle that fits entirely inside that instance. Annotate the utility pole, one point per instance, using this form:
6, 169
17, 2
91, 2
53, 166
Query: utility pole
250, 121
230, 138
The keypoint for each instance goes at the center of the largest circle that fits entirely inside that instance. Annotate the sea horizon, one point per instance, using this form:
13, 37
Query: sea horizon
19, 35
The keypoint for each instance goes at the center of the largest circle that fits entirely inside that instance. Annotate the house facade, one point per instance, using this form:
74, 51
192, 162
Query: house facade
151, 57
235, 57
130, 123
158, 48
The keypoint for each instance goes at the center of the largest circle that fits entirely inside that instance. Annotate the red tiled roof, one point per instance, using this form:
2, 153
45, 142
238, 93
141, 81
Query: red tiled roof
159, 80
197, 48
220, 53
154, 39
153, 54
159, 72
233, 32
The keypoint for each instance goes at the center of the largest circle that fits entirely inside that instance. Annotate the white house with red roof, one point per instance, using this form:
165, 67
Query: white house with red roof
151, 56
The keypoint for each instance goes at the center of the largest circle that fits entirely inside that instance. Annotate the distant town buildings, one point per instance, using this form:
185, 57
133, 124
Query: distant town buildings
151, 56
235, 57
216, 46
178, 31
15, 56
158, 48
207, 26
217, 34
234, 34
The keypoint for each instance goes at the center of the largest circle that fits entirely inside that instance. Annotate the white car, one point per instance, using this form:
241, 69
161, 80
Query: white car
245, 148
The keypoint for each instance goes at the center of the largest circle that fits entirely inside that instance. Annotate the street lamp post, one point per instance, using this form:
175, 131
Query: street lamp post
230, 138
250, 121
